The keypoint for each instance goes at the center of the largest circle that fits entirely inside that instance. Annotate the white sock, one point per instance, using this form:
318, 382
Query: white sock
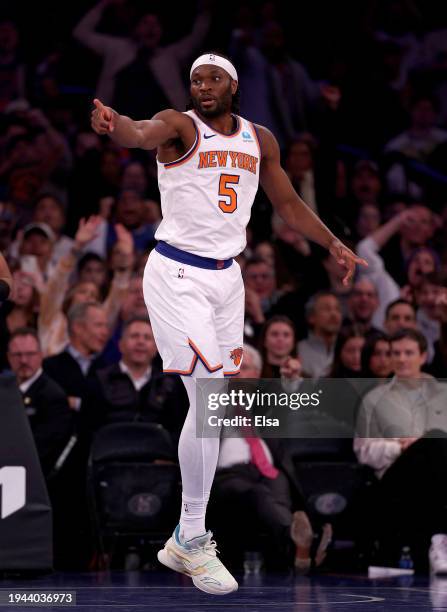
198, 461
192, 518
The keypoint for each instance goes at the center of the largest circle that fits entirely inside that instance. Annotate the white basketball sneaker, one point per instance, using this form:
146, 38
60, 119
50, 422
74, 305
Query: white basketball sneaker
438, 555
197, 558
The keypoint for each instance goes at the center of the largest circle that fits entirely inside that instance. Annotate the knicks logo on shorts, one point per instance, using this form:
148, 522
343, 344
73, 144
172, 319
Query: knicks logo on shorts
236, 355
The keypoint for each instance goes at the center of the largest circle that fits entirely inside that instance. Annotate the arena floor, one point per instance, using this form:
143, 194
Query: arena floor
163, 591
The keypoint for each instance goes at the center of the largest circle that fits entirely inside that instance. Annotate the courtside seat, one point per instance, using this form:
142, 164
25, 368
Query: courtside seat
134, 485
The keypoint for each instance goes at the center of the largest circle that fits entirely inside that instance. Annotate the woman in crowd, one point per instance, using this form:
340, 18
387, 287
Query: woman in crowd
20, 310
278, 347
376, 357
58, 296
347, 353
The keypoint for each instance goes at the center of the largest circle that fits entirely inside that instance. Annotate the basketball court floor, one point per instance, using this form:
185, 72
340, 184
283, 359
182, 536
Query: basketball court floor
166, 592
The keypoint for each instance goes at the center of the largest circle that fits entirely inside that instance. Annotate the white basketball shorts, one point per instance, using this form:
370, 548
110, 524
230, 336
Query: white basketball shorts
196, 314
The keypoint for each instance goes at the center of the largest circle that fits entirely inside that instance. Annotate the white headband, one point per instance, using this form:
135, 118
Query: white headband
215, 60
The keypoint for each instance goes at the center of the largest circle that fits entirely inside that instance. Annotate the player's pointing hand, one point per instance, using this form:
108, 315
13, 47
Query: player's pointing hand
346, 258
103, 118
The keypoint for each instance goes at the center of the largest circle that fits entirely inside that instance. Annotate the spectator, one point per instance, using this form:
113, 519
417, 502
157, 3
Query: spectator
88, 332
266, 73
414, 144
416, 231
135, 179
38, 241
260, 294
422, 262
368, 220
365, 189
343, 388
299, 165
293, 253
415, 226
19, 310
438, 366
399, 314
402, 435
271, 500
92, 268
49, 209
363, 302
5, 279
266, 252
34, 160
12, 68
366, 186
58, 298
135, 389
428, 313
316, 352
130, 212
347, 353
131, 305
376, 357
74, 370
22, 307
278, 348
140, 59
45, 402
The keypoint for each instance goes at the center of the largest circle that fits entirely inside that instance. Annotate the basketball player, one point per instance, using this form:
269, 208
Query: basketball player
209, 164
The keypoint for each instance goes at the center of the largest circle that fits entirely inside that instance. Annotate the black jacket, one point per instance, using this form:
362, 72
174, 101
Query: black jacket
162, 399
50, 418
65, 370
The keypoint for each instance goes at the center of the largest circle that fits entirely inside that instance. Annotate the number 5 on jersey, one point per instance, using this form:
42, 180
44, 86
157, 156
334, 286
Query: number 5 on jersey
229, 192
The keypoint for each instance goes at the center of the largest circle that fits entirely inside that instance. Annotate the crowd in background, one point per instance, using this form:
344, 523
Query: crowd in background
360, 112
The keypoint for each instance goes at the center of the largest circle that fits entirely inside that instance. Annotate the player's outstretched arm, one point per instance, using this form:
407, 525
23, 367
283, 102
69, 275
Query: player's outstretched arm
293, 210
126, 132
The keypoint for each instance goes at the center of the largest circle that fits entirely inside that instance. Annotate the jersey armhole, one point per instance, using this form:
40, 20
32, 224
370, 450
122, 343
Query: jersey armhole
189, 153
255, 131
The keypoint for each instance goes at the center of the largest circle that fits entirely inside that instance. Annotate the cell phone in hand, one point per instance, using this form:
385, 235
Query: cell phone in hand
28, 263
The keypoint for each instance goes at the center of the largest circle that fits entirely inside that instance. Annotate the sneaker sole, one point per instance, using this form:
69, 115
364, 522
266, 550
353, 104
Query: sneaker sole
166, 559
169, 561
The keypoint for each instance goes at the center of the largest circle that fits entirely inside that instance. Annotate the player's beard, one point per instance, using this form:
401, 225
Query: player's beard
223, 105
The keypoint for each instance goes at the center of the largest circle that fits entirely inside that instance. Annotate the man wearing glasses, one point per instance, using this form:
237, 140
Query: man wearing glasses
45, 402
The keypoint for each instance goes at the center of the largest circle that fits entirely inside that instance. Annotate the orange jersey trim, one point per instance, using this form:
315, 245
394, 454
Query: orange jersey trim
185, 372
238, 129
234, 373
209, 367
188, 154
197, 355
255, 134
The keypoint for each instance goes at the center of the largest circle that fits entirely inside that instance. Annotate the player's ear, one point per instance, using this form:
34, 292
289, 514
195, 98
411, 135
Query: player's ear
234, 85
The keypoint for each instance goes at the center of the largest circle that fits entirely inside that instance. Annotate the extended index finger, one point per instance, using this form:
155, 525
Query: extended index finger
361, 261
99, 105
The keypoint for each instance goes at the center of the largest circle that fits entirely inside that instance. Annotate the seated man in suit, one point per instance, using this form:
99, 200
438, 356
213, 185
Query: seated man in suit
74, 367
257, 477
135, 389
45, 402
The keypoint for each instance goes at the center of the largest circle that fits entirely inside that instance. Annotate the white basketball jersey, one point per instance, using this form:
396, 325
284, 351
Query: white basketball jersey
207, 194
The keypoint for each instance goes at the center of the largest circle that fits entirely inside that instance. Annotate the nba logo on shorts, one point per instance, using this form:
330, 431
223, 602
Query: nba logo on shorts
181, 272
